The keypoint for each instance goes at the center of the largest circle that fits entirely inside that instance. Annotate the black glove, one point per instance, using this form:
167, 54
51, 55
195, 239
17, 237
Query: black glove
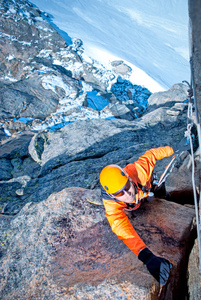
158, 267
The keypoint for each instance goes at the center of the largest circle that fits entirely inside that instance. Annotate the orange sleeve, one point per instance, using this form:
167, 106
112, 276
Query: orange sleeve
122, 227
158, 153
143, 167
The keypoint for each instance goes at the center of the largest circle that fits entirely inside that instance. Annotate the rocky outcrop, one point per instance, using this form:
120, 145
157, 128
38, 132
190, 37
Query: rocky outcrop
195, 47
63, 248
29, 100
55, 242
58, 226
45, 83
75, 154
21, 44
177, 93
194, 277
194, 267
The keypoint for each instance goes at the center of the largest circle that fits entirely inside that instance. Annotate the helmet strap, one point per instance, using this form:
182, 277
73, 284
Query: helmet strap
135, 188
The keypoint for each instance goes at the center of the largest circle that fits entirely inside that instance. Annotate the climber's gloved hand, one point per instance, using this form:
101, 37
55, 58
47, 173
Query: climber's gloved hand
158, 267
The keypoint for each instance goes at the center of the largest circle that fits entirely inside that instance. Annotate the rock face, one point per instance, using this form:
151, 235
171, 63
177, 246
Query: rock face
75, 154
65, 237
45, 83
194, 277
55, 242
29, 100
63, 248
195, 48
176, 93
20, 44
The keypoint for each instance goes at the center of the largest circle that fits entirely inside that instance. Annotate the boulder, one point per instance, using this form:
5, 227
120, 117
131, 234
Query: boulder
195, 48
63, 248
75, 155
121, 111
16, 147
55, 240
177, 93
5, 169
15, 163
124, 91
30, 99
15, 126
2, 135
120, 68
194, 274
195, 59
31, 35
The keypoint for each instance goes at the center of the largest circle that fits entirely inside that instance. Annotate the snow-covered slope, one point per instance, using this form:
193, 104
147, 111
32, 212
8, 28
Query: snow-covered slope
151, 36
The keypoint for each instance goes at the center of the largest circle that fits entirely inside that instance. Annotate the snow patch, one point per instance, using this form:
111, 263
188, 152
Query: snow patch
50, 82
137, 32
10, 57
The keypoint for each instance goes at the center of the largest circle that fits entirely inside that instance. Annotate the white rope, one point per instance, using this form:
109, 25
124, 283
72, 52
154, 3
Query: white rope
196, 121
196, 109
192, 86
188, 134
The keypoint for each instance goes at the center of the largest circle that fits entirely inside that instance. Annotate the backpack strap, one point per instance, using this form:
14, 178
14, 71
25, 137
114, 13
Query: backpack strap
143, 188
153, 181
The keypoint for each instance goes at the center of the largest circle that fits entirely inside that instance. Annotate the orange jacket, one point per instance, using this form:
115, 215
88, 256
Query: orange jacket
140, 172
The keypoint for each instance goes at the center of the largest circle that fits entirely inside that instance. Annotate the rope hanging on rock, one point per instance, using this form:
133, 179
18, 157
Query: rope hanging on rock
188, 134
197, 123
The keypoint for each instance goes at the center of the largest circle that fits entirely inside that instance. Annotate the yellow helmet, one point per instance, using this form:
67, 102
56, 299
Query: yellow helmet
113, 179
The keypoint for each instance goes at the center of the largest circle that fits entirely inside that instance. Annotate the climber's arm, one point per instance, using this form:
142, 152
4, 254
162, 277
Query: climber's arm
122, 227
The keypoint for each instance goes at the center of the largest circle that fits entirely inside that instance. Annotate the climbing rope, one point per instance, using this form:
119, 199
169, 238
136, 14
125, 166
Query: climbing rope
197, 123
188, 134
193, 93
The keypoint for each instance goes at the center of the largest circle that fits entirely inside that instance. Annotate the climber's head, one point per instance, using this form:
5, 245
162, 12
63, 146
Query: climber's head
117, 183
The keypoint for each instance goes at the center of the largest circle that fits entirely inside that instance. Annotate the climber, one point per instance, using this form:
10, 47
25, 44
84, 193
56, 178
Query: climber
124, 190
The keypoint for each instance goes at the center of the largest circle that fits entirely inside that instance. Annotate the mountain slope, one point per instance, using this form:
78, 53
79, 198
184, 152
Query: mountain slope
152, 36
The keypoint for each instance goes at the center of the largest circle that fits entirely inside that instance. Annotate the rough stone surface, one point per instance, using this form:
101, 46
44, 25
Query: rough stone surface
195, 50
45, 80
16, 147
55, 242
43, 165
5, 169
63, 248
29, 100
178, 92
195, 47
121, 68
75, 154
16, 62
194, 274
